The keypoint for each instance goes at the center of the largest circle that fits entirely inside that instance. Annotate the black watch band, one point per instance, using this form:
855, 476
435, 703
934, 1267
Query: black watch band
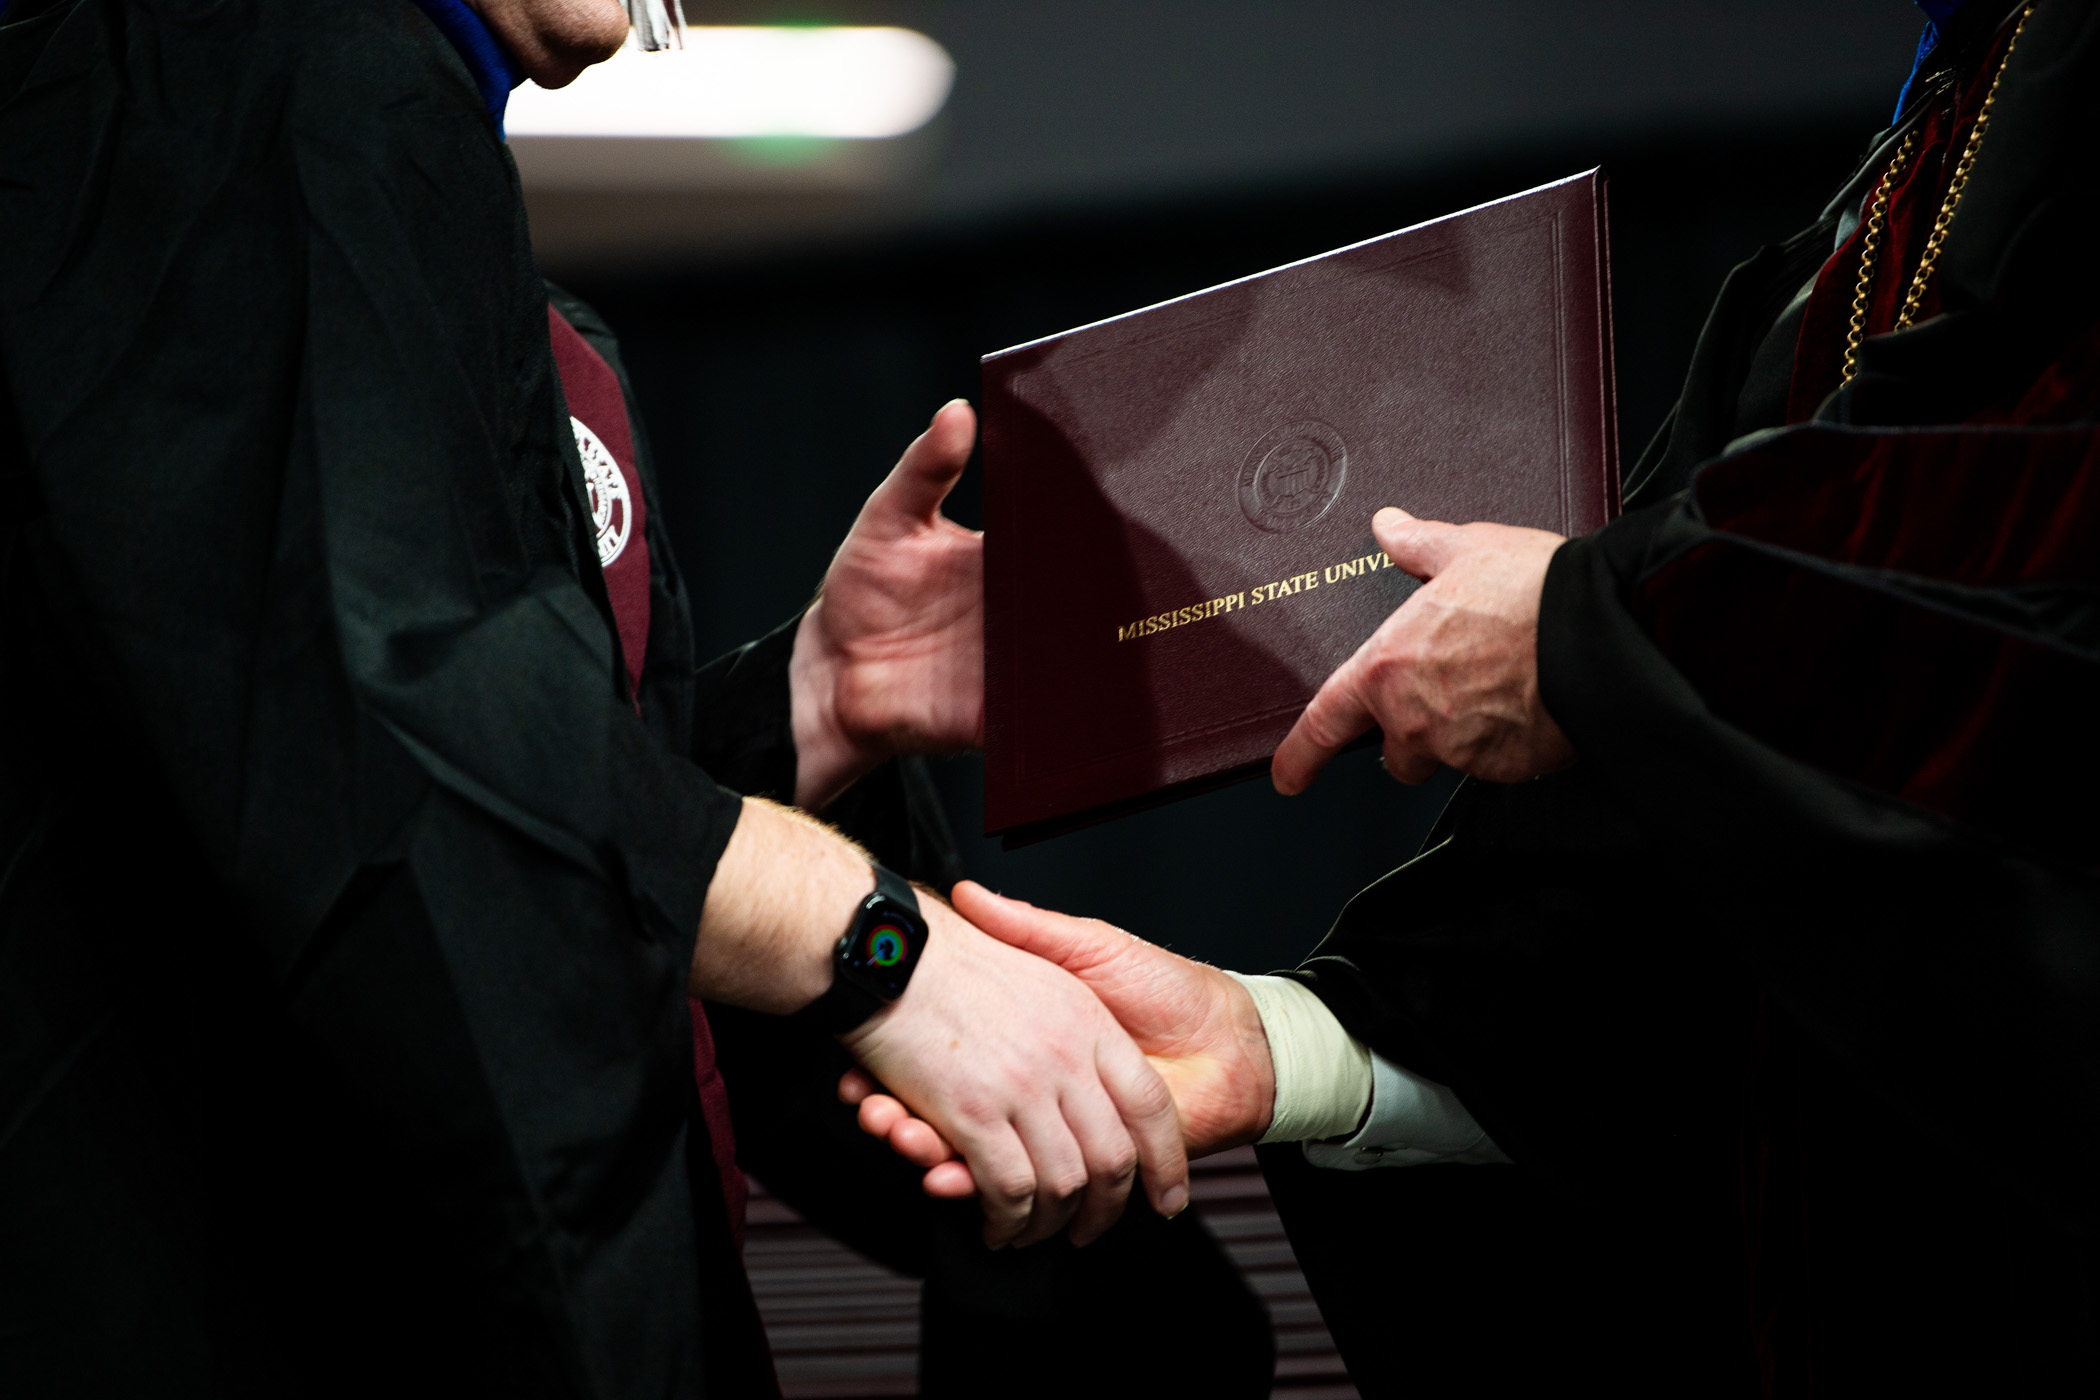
873, 959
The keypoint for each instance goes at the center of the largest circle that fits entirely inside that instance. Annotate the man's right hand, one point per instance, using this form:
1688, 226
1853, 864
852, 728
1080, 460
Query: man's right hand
1013, 1058
1043, 1093
1199, 1028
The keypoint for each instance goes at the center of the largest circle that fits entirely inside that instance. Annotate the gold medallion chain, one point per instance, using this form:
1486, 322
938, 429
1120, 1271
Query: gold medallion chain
1878, 214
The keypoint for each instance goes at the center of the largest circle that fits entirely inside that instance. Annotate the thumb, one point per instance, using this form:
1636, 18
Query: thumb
1419, 547
913, 491
1073, 944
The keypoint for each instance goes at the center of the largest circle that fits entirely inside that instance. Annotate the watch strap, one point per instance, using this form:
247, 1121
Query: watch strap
894, 886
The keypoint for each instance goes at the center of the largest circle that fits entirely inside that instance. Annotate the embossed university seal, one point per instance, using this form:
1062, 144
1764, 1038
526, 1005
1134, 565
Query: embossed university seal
1293, 475
611, 512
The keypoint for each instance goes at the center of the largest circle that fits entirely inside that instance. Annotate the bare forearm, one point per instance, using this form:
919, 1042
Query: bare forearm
1011, 1058
780, 898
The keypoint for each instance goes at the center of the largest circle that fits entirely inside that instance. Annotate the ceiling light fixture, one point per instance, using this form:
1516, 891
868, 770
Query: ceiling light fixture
750, 81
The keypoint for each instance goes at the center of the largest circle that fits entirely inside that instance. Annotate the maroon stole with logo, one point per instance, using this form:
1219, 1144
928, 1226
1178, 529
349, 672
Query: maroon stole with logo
605, 442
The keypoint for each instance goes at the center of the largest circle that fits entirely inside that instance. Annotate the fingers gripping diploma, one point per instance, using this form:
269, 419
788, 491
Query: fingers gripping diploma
1034, 1083
1198, 1028
890, 658
1452, 675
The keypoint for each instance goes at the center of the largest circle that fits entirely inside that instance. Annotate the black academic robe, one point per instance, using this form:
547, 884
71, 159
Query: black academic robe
1785, 999
346, 891
349, 893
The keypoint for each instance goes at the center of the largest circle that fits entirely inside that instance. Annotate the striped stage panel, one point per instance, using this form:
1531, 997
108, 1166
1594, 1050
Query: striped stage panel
844, 1328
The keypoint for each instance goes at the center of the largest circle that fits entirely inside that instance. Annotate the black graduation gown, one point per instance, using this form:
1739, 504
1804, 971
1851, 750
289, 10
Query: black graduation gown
1786, 999
348, 896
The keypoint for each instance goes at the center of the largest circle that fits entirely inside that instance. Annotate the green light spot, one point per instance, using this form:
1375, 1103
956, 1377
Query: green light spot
783, 152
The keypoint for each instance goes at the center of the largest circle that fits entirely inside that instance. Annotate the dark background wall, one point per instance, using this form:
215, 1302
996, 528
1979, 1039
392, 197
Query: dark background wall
779, 384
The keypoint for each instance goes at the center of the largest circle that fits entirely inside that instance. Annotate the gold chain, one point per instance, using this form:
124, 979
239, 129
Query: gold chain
1869, 246
1877, 218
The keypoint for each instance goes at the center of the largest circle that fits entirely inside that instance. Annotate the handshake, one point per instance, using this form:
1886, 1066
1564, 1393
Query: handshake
1112, 1056
1045, 1061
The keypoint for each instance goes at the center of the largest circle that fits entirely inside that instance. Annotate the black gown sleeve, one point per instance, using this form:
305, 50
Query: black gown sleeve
1827, 703
743, 730
1844, 703
305, 500
744, 736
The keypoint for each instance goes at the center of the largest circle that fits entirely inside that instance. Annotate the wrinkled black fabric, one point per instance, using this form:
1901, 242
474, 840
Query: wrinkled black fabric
1584, 957
347, 902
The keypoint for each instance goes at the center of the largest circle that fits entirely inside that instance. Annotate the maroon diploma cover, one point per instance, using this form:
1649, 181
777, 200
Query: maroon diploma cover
1178, 501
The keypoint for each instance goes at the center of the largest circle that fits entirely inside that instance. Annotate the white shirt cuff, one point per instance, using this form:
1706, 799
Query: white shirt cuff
1413, 1121
1329, 1084
1323, 1074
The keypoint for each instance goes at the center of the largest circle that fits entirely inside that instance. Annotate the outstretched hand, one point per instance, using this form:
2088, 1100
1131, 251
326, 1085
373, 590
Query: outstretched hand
1047, 1097
1452, 676
1015, 1060
890, 658
1198, 1027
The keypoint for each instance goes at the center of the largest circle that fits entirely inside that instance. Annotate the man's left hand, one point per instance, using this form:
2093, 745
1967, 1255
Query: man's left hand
1452, 676
890, 658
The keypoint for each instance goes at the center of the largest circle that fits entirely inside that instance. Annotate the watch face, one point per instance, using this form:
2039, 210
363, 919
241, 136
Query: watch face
883, 946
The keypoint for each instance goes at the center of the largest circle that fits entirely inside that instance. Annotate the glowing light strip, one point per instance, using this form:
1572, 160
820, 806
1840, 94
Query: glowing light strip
737, 81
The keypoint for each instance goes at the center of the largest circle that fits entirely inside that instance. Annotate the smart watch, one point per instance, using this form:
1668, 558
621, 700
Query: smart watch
874, 958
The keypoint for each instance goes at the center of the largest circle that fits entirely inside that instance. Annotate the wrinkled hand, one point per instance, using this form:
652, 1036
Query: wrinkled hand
890, 659
1452, 676
1198, 1027
1044, 1094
